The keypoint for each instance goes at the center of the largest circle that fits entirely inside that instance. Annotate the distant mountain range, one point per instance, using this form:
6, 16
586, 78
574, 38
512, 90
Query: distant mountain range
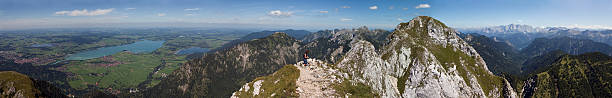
515, 28
511, 28
569, 45
521, 35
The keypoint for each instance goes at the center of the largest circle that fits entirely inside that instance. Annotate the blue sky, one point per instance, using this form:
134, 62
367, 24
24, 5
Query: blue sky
299, 14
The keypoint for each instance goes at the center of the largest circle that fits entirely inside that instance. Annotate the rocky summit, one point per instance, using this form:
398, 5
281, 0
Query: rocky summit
422, 58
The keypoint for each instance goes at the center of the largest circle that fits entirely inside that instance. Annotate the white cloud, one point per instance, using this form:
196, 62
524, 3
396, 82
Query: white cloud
323, 11
85, 12
161, 14
192, 9
191, 14
345, 19
130, 8
422, 6
346, 7
400, 19
519, 21
279, 13
373, 7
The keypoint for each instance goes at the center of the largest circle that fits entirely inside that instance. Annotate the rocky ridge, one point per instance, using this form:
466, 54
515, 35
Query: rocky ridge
314, 81
208, 76
423, 58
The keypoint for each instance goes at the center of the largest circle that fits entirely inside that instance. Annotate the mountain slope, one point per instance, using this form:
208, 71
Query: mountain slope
499, 56
539, 63
423, 58
582, 76
220, 73
298, 34
17, 85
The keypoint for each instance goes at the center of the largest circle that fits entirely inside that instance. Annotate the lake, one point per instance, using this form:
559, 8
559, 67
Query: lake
42, 45
144, 46
192, 50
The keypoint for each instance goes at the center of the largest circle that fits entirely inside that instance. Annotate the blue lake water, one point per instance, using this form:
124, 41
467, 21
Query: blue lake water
144, 46
192, 50
42, 45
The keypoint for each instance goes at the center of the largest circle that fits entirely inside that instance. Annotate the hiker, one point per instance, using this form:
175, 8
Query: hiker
306, 58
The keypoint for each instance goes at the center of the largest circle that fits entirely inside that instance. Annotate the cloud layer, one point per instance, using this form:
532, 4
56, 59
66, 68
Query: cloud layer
373, 7
192, 9
422, 6
345, 19
85, 12
279, 13
588, 26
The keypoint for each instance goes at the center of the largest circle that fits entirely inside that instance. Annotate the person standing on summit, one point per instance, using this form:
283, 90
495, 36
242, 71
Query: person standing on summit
306, 58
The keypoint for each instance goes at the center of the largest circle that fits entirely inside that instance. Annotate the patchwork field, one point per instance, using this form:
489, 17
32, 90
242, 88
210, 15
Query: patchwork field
122, 70
116, 73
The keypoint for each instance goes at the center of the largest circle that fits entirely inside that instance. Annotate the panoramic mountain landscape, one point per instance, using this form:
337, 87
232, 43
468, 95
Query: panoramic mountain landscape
305, 49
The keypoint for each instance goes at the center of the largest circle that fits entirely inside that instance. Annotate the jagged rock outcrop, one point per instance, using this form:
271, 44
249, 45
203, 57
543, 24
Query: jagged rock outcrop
331, 45
220, 73
17, 85
423, 58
